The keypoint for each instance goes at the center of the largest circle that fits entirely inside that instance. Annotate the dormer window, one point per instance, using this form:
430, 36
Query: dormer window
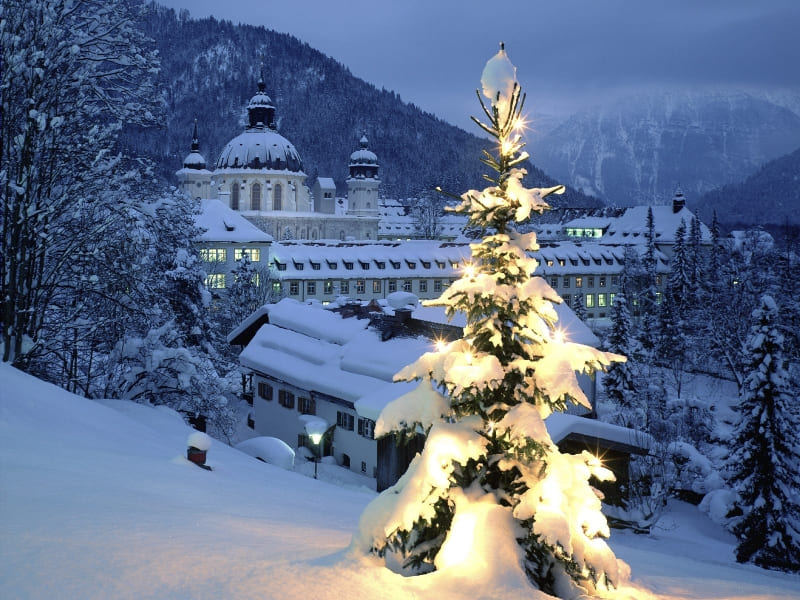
381, 264
332, 265
395, 265
298, 266
364, 265
425, 264
411, 264
348, 265
281, 266
316, 266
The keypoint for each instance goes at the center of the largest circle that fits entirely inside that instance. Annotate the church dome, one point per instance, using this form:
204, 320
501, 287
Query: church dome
260, 148
363, 156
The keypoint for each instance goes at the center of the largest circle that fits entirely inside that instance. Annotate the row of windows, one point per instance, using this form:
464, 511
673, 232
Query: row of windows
589, 281
364, 265
330, 287
306, 406
255, 196
211, 255
598, 300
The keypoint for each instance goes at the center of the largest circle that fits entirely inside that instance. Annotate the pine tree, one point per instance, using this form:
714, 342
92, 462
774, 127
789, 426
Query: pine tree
482, 401
649, 299
618, 382
765, 451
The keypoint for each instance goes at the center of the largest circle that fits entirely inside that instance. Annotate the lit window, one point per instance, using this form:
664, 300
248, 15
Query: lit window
578, 282
360, 286
611, 299
601, 300
328, 289
253, 253
215, 281
376, 286
213, 255
589, 300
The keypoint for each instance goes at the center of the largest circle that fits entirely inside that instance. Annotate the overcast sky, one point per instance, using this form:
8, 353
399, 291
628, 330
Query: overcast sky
568, 53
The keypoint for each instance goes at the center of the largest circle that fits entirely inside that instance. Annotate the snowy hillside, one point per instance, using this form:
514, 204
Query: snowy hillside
97, 501
639, 149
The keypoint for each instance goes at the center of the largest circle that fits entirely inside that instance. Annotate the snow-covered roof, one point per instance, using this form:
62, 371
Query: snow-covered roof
335, 259
318, 350
326, 182
562, 425
631, 227
221, 224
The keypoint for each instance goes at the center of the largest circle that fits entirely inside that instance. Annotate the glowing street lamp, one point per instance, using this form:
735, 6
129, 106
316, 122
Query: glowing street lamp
316, 438
315, 428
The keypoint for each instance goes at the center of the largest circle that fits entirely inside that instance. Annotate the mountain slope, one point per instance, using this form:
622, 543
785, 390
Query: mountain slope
770, 196
209, 72
638, 150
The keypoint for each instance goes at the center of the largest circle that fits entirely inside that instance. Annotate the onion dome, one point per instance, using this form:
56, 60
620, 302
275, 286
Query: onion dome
364, 162
260, 111
260, 146
194, 160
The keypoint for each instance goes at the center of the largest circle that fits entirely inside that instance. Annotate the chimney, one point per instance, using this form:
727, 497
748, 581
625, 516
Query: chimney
678, 201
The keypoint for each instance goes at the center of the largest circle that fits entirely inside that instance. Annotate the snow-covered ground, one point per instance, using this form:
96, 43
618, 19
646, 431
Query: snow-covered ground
98, 501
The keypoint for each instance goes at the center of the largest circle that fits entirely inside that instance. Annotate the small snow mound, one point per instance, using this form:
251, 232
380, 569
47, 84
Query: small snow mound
498, 77
402, 299
199, 440
269, 449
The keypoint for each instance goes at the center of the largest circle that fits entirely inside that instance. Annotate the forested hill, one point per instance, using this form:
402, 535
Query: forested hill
210, 69
770, 196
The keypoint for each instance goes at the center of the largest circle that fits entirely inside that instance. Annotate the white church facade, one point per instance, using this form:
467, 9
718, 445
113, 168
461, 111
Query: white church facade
259, 175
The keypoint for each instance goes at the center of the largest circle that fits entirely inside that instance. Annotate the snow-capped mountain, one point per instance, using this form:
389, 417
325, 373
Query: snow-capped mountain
639, 149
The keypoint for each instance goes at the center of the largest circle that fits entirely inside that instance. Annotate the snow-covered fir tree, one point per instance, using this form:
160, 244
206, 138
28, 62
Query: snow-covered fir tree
619, 380
764, 464
489, 471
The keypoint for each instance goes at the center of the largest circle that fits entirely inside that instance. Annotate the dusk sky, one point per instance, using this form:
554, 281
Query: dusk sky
568, 53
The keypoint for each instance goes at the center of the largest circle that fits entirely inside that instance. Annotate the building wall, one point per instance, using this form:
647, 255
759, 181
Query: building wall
345, 445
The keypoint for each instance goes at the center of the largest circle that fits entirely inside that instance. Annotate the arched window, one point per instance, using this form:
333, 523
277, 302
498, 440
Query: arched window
235, 196
277, 193
255, 196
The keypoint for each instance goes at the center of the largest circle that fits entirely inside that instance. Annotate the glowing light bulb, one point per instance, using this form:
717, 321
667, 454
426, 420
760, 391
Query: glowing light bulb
558, 336
468, 357
440, 345
469, 271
